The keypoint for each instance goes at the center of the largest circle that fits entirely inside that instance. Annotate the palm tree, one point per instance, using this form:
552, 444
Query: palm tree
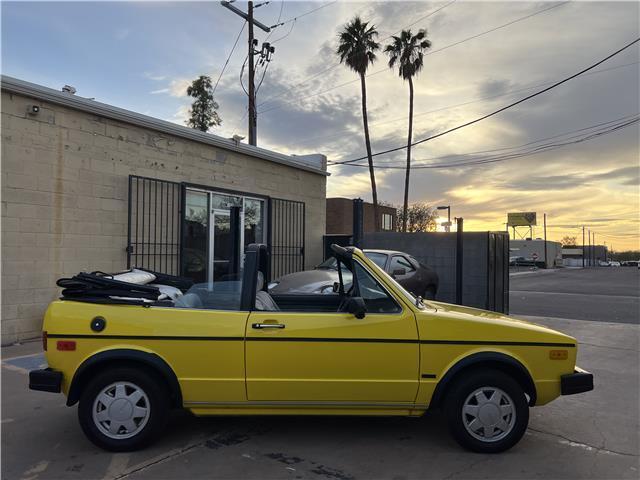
407, 51
357, 47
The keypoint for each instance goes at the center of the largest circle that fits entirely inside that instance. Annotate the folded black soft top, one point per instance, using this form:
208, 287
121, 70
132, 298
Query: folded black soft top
100, 287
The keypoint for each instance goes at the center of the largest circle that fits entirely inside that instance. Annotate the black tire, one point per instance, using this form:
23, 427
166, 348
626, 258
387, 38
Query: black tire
157, 397
463, 388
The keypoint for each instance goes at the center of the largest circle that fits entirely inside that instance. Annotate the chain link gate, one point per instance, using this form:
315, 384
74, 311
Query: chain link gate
153, 239
287, 223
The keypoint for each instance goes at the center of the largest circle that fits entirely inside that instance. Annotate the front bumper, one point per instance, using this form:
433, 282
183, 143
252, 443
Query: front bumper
577, 382
45, 380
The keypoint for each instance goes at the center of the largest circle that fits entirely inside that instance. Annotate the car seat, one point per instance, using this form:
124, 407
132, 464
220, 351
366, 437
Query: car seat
264, 302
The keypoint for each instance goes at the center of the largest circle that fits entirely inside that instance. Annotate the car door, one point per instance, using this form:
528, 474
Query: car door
316, 357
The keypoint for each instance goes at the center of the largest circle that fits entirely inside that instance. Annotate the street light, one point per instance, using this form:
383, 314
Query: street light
447, 226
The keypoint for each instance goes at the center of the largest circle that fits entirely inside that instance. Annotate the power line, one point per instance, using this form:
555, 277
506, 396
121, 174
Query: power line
419, 20
618, 124
513, 104
322, 72
528, 144
229, 57
385, 69
285, 35
277, 21
293, 19
469, 102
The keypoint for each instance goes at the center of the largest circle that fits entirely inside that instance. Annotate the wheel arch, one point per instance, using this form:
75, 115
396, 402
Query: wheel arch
500, 361
129, 357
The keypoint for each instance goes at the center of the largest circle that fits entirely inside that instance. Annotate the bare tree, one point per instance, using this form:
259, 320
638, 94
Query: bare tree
420, 218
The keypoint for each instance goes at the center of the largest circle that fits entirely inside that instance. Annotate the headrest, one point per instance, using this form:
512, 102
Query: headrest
259, 281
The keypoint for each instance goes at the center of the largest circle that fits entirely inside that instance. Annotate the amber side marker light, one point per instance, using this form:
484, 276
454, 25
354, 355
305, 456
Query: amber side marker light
558, 354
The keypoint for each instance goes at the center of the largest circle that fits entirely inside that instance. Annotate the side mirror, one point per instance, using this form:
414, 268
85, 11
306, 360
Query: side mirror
357, 307
398, 272
336, 287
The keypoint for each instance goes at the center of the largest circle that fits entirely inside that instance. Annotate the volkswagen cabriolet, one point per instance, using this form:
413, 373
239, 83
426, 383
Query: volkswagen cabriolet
127, 354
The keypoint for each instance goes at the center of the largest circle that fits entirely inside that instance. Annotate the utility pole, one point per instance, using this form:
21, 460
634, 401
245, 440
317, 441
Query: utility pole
459, 257
582, 246
545, 241
594, 249
253, 114
589, 232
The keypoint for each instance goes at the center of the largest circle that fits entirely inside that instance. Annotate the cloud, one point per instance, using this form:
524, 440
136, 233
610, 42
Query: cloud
155, 78
122, 33
176, 88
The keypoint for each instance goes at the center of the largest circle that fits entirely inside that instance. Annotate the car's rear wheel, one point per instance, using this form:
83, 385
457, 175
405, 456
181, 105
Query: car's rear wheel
123, 409
487, 411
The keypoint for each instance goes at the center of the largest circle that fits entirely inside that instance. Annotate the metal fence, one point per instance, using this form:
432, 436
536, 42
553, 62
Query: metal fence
287, 236
153, 240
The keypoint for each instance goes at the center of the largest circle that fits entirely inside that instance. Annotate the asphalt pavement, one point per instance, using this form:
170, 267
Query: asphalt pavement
605, 294
592, 435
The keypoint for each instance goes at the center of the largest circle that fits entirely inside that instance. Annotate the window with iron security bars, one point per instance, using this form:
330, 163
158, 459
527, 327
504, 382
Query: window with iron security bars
154, 225
287, 236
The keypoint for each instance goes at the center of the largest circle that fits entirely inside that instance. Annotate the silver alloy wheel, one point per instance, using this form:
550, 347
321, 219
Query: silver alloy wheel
121, 410
488, 414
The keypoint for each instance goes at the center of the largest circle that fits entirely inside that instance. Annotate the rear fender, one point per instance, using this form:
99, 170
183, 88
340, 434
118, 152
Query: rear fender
124, 355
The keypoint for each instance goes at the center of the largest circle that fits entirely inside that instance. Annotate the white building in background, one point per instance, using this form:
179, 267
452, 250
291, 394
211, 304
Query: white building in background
535, 250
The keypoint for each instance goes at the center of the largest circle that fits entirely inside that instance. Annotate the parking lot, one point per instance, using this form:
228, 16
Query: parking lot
593, 435
607, 294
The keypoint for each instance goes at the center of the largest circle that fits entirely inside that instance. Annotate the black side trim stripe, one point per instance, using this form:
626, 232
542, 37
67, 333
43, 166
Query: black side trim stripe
144, 337
321, 340
429, 375
492, 342
330, 340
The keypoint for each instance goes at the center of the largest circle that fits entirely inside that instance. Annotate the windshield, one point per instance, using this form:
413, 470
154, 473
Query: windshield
410, 297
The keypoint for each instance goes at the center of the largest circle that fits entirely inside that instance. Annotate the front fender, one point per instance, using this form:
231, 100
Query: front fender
489, 359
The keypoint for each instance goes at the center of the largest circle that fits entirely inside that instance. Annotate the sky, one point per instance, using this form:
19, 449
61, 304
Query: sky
484, 55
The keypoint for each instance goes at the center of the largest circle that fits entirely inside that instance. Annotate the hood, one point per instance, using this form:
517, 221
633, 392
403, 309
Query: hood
464, 322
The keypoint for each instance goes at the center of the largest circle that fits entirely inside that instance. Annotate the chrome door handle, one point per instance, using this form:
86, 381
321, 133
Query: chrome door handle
267, 325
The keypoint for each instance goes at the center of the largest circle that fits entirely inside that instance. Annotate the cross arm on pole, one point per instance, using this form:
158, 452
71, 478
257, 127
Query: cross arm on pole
242, 14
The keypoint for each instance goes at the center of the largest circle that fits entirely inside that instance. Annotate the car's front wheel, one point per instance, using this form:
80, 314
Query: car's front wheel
487, 411
123, 409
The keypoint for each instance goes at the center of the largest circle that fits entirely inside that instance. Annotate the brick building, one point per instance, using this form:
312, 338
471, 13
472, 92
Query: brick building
87, 186
340, 217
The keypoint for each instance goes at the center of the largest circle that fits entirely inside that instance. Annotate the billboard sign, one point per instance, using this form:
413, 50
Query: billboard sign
521, 219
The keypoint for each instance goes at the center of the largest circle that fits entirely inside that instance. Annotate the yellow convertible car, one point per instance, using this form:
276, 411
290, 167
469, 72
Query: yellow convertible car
231, 348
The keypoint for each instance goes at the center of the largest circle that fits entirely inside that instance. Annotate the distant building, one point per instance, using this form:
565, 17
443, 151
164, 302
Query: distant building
535, 250
593, 255
340, 217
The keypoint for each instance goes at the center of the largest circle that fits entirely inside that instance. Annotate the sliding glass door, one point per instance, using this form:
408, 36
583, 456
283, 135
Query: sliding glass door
218, 228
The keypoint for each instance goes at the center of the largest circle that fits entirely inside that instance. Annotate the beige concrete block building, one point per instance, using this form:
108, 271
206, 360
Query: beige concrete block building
87, 186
